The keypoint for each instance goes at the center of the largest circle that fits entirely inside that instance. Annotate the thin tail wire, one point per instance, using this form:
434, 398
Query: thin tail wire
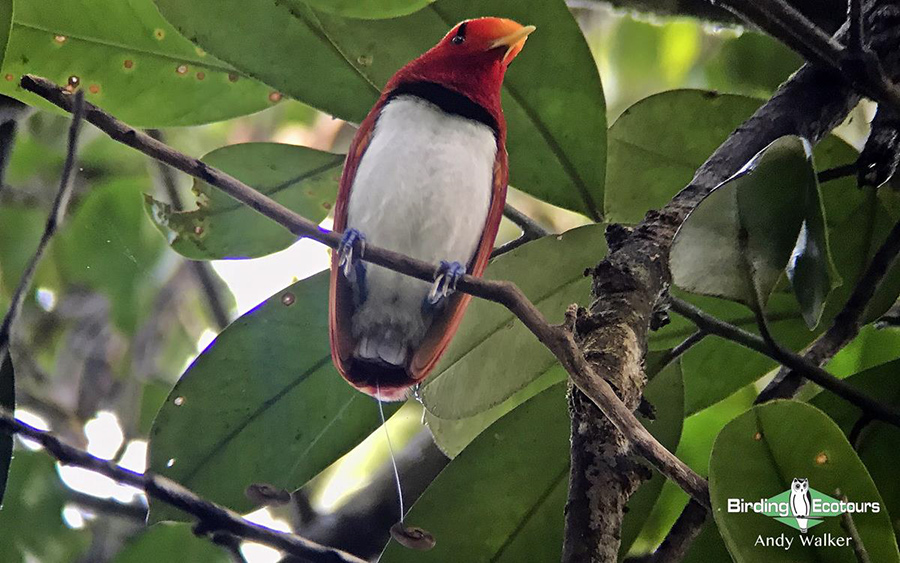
391, 450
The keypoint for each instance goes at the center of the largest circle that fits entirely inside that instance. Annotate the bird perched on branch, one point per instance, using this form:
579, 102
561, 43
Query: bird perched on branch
426, 176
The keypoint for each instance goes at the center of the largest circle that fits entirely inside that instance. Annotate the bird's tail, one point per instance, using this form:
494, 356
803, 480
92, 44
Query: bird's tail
384, 344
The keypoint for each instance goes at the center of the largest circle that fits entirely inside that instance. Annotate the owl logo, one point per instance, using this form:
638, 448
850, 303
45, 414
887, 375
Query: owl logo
801, 502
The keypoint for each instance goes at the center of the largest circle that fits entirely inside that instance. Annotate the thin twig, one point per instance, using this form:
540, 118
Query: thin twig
210, 516
837, 172
846, 324
202, 270
530, 227
769, 347
558, 340
531, 230
510, 246
673, 354
54, 220
849, 526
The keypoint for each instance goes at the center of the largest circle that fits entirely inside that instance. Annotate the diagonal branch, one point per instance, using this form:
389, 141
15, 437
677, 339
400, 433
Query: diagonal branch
861, 67
557, 339
54, 220
211, 517
767, 346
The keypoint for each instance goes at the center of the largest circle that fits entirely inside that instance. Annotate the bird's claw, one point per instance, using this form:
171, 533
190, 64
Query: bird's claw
353, 241
445, 277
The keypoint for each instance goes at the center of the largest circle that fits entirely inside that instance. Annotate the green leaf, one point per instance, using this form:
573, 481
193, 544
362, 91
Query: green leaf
811, 271
8, 402
645, 168
716, 368
493, 355
6, 18
737, 242
453, 435
753, 63
871, 347
369, 9
171, 542
557, 125
302, 179
31, 524
851, 249
262, 404
878, 443
758, 454
128, 60
491, 505
109, 245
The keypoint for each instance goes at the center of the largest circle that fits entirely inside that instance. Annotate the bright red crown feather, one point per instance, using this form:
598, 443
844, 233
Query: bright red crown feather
471, 59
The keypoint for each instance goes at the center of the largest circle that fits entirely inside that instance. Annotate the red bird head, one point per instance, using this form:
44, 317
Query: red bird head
471, 60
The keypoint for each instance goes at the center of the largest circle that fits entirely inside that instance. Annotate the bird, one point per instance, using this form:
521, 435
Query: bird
426, 176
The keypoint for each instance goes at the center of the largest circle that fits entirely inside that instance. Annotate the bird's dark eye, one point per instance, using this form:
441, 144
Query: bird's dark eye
460, 36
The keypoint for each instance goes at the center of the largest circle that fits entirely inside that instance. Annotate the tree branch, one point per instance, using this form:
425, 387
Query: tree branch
767, 346
558, 339
211, 517
861, 67
54, 220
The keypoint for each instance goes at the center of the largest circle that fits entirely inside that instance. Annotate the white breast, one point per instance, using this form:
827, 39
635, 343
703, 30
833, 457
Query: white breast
423, 188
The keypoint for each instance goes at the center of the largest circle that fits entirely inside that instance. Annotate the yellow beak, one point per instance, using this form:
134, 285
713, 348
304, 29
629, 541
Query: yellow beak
514, 41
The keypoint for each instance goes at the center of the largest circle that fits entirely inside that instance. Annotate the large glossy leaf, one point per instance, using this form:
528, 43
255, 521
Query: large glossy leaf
758, 454
714, 369
738, 241
877, 443
646, 168
262, 404
493, 355
128, 60
171, 542
302, 179
369, 9
8, 402
696, 123
453, 435
490, 504
753, 63
31, 524
557, 129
